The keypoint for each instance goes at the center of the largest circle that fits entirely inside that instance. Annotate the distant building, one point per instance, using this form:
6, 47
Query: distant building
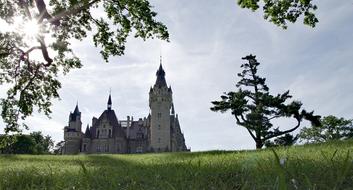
158, 132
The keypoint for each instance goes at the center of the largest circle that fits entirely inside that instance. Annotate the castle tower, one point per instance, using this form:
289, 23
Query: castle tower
160, 102
72, 133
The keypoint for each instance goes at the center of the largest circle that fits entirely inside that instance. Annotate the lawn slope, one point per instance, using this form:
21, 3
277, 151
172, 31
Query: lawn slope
320, 166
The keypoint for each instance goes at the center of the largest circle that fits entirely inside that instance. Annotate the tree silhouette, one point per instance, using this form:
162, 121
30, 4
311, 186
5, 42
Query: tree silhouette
255, 108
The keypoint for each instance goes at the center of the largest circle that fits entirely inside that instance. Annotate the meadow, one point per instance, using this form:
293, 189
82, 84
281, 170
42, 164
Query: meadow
317, 166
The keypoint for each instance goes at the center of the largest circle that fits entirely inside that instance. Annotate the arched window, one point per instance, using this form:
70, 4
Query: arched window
110, 133
98, 134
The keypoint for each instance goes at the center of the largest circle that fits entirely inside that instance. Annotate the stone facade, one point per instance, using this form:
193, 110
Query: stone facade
158, 132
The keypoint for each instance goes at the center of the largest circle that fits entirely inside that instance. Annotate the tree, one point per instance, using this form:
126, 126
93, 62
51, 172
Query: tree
331, 128
254, 107
47, 30
43, 143
24, 144
59, 147
285, 140
280, 12
34, 143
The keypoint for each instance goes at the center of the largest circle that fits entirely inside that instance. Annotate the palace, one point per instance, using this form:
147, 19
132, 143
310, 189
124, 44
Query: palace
158, 132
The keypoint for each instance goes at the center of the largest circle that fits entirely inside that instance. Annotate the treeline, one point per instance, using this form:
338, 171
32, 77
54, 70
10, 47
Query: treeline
330, 128
33, 143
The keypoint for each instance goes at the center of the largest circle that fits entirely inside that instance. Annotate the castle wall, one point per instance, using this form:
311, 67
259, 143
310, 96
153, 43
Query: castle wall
108, 146
72, 146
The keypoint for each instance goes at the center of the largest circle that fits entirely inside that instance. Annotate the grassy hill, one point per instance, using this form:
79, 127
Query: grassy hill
320, 166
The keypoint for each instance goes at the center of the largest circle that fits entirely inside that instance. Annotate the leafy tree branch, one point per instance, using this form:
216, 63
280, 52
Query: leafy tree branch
33, 81
280, 12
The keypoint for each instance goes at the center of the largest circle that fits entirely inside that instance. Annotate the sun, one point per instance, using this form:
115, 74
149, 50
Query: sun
31, 28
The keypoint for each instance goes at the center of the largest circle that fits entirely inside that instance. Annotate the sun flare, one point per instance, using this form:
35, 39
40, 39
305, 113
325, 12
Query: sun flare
31, 28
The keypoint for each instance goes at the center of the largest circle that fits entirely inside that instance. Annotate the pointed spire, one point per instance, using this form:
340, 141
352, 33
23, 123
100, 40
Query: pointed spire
75, 114
160, 76
170, 89
109, 104
87, 132
173, 111
76, 111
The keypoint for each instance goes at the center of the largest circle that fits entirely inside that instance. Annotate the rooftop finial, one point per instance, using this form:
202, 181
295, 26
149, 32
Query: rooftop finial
160, 59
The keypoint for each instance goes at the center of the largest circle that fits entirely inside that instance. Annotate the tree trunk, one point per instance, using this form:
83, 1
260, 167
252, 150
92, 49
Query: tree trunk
259, 144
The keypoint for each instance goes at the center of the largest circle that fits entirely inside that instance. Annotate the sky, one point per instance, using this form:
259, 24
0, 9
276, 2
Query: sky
207, 41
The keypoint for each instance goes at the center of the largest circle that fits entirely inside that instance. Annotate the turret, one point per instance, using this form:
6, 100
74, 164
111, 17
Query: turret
72, 132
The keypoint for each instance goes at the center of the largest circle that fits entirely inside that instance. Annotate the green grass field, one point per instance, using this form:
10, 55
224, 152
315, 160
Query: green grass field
321, 166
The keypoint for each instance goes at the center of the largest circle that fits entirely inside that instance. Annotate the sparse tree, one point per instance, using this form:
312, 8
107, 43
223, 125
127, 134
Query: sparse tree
255, 108
280, 12
331, 128
35, 46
